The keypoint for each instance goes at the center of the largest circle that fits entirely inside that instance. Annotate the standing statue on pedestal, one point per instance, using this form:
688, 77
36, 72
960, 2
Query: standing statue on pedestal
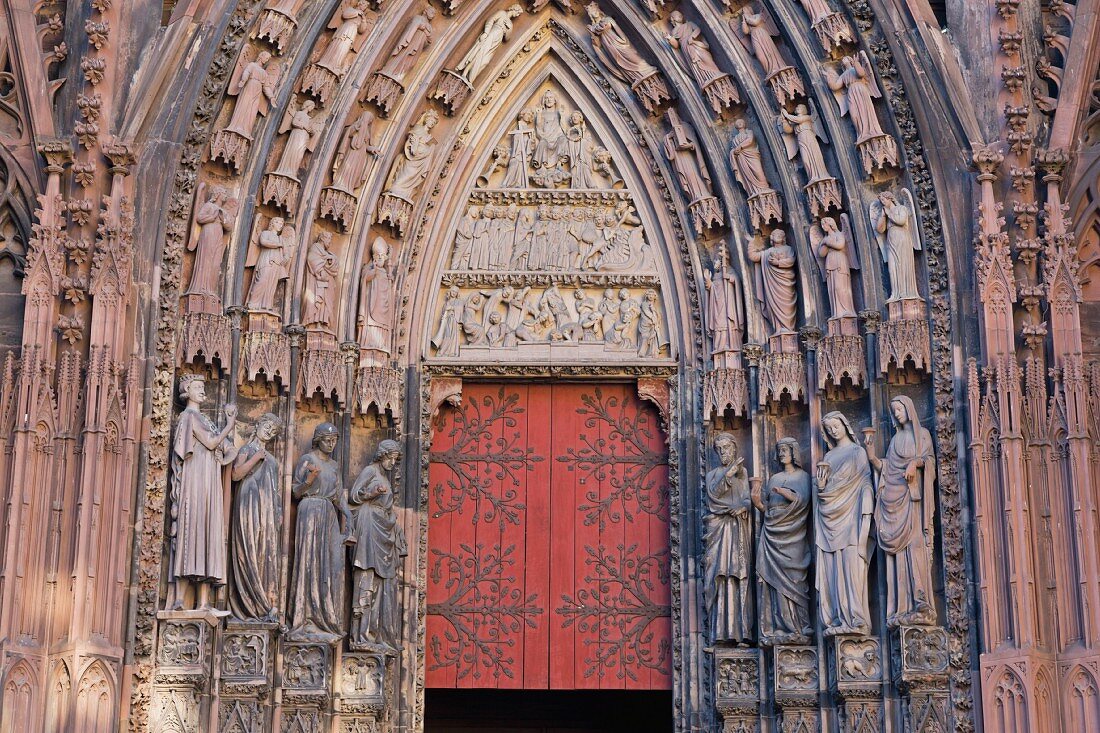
496, 31
894, 223
254, 87
411, 167
380, 545
197, 531
214, 218
783, 554
319, 298
316, 599
775, 281
725, 312
903, 515
257, 522
349, 170
837, 257
417, 36
376, 296
727, 536
842, 530
270, 260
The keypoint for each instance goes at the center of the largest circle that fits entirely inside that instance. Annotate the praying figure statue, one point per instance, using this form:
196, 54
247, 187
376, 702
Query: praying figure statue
837, 256
379, 547
304, 131
197, 531
349, 169
214, 218
801, 132
904, 510
895, 224
845, 504
783, 553
254, 87
257, 524
727, 537
855, 89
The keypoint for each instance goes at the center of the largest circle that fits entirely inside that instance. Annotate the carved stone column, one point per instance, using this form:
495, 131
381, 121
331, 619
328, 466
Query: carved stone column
920, 667
737, 689
857, 678
796, 688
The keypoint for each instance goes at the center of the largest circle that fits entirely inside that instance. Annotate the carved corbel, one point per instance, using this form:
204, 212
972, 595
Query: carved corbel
444, 389
857, 681
796, 687
658, 391
920, 666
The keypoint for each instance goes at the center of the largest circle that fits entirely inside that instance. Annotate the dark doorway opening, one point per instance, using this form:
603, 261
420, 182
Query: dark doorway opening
547, 711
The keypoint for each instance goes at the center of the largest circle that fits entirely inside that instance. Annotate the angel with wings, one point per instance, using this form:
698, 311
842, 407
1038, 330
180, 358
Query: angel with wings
349, 23
894, 222
801, 132
759, 34
855, 89
304, 132
253, 84
270, 260
214, 218
837, 256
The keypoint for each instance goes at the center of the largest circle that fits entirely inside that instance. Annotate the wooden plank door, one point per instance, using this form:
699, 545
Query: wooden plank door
548, 538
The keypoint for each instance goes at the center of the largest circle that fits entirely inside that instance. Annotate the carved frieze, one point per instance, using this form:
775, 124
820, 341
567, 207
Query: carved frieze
796, 687
737, 688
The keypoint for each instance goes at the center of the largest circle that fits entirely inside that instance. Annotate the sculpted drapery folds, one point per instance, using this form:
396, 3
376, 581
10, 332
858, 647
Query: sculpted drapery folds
756, 28
903, 516
257, 524
417, 37
376, 300
316, 598
199, 454
842, 527
515, 173
411, 167
614, 48
688, 39
855, 89
350, 23
728, 542
270, 260
775, 281
837, 256
801, 132
748, 167
319, 298
895, 224
783, 553
349, 169
497, 30
379, 547
725, 312
254, 87
214, 219
682, 151
304, 129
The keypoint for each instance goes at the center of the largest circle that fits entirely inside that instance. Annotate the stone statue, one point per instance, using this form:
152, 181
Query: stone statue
783, 553
727, 536
214, 218
304, 131
446, 337
855, 89
845, 503
257, 524
199, 451
837, 257
714, 83
349, 22
319, 299
497, 29
550, 124
270, 260
682, 151
903, 516
818, 10
801, 132
579, 148
745, 159
464, 239
376, 296
417, 37
411, 167
760, 34
650, 342
349, 169
254, 87
895, 228
380, 545
316, 599
515, 174
725, 311
614, 50
775, 281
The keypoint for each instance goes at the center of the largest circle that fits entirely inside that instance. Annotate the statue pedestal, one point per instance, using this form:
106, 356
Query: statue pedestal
857, 681
879, 152
264, 349
385, 91
737, 688
321, 368
338, 205
395, 211
721, 94
280, 190
903, 337
205, 337
725, 389
452, 90
921, 660
320, 82
841, 355
184, 658
833, 32
786, 85
380, 386
232, 147
824, 194
305, 673
652, 92
796, 687
277, 27
705, 213
782, 373
765, 207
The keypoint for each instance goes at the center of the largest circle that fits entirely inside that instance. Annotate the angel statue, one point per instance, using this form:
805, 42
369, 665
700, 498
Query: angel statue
304, 130
760, 32
855, 88
350, 22
214, 218
253, 84
837, 256
894, 222
270, 260
411, 167
801, 132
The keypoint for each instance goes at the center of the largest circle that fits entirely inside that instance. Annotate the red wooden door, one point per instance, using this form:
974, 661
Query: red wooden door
548, 536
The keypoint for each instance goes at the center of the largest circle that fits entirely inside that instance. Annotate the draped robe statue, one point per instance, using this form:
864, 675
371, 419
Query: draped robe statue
745, 159
855, 89
803, 128
615, 50
894, 222
727, 537
725, 310
303, 129
775, 286
349, 170
417, 36
783, 552
688, 38
411, 167
254, 87
755, 27
903, 516
350, 23
683, 152
376, 297
270, 261
837, 256
214, 218
496, 31
379, 547
845, 503
257, 522
319, 299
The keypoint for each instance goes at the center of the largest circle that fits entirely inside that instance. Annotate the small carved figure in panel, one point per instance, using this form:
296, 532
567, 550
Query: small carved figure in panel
837, 257
446, 337
650, 342
270, 262
496, 31
214, 218
387, 84
758, 32
715, 83
316, 599
408, 173
775, 269
199, 454
903, 515
253, 84
783, 555
728, 544
842, 529
725, 312
257, 522
623, 60
579, 149
691, 170
319, 298
550, 124
376, 298
855, 90
895, 224
748, 169
380, 545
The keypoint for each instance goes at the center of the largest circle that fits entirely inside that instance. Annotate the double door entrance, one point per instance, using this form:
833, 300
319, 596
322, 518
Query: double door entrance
548, 564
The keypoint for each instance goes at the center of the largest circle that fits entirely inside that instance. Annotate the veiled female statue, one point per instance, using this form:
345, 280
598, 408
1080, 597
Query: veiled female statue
775, 275
215, 218
615, 50
257, 522
380, 545
496, 31
197, 530
855, 88
270, 260
411, 167
316, 598
845, 503
837, 256
895, 229
903, 516
783, 553
727, 537
349, 170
